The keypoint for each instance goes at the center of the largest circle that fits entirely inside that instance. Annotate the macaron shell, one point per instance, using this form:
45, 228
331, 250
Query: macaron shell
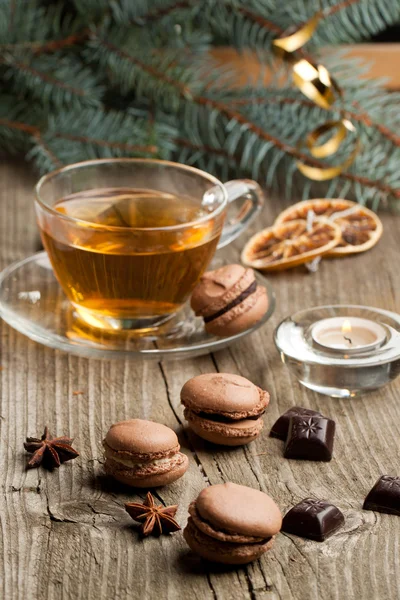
242, 317
236, 433
239, 509
220, 392
222, 552
223, 394
141, 437
215, 305
214, 284
152, 478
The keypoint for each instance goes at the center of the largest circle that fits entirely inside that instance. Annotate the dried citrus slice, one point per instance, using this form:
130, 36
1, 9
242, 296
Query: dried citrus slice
361, 227
287, 245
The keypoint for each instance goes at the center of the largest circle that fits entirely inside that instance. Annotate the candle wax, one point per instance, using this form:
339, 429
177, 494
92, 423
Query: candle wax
348, 333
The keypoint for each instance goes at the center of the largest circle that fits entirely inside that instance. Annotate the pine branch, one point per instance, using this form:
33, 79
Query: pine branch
185, 92
48, 46
141, 57
160, 13
58, 80
107, 144
164, 11
40, 147
355, 20
362, 117
43, 76
338, 7
25, 127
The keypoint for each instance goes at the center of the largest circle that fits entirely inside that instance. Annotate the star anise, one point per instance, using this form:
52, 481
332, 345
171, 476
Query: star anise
49, 451
155, 519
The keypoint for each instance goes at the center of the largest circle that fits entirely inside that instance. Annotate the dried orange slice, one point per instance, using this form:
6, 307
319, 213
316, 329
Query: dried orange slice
361, 227
287, 245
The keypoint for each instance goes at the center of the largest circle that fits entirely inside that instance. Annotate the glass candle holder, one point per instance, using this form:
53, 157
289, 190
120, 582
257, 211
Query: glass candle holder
341, 351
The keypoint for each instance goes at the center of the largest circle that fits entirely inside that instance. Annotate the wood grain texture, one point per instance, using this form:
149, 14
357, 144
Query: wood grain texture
65, 535
379, 60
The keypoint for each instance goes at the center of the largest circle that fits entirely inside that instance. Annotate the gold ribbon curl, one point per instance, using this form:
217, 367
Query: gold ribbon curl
316, 83
328, 148
290, 42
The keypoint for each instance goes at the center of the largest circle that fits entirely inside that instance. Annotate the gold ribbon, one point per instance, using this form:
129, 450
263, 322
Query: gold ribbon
294, 41
315, 82
332, 145
328, 148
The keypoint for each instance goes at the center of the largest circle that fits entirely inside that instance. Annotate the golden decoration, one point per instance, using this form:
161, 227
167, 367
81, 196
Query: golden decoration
316, 83
333, 143
329, 148
292, 42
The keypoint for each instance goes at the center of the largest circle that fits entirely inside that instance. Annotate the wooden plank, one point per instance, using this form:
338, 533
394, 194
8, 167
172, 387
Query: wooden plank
382, 61
66, 535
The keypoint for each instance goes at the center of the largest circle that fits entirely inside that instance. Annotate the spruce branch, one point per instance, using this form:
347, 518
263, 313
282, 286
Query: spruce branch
63, 63
55, 45
42, 150
232, 115
125, 147
43, 76
24, 127
338, 7
362, 117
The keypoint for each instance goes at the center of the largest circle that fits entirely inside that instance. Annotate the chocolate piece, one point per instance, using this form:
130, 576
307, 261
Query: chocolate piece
281, 427
384, 496
252, 288
310, 438
313, 519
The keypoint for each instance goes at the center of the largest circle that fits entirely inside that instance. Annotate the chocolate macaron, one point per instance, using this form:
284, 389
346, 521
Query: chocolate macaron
232, 524
229, 299
143, 454
224, 408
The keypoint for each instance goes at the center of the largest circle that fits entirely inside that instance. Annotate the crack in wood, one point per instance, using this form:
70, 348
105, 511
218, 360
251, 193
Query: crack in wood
213, 591
246, 452
214, 361
250, 586
303, 554
268, 586
190, 445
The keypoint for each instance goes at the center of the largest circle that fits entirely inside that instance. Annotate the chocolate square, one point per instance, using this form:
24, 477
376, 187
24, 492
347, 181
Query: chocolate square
313, 519
281, 427
310, 438
384, 496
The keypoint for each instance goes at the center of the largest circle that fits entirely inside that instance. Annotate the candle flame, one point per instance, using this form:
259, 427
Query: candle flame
346, 327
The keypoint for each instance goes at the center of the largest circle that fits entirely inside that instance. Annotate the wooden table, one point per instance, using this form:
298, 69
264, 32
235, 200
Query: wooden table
66, 534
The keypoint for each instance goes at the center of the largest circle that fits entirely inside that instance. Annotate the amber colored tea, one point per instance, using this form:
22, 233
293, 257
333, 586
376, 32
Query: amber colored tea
110, 262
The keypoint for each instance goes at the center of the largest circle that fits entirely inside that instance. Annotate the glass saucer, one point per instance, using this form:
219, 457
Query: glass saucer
32, 302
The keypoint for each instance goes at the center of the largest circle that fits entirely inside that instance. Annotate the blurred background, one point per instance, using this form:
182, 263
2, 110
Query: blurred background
211, 84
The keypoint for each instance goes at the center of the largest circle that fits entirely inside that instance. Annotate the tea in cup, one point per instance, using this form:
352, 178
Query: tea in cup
128, 239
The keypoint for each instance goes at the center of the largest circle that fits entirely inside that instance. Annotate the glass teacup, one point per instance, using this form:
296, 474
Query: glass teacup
128, 239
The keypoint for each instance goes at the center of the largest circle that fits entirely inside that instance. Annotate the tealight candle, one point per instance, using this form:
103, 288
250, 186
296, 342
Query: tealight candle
349, 334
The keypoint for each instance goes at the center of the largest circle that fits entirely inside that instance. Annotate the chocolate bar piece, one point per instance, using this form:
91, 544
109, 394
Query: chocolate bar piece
281, 427
384, 496
310, 438
313, 519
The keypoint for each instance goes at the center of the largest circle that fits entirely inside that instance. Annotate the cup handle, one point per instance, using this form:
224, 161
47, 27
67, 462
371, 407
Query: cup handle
253, 202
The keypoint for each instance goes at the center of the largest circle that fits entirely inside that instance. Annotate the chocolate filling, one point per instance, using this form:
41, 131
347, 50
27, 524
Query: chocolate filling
224, 419
250, 290
226, 531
